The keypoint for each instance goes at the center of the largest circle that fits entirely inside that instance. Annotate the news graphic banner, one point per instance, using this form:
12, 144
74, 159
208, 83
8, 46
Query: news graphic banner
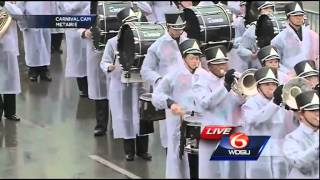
234, 146
55, 21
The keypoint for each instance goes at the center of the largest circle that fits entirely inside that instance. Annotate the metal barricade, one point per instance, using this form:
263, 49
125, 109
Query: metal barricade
313, 18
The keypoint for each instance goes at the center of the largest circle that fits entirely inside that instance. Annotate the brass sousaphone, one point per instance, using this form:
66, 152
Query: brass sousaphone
292, 88
245, 84
5, 20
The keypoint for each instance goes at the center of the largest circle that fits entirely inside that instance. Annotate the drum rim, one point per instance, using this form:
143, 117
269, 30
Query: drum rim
196, 12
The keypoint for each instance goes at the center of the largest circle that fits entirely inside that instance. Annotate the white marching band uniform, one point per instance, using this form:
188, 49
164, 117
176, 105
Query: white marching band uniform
161, 56
177, 86
37, 42
76, 62
219, 107
9, 50
124, 98
263, 117
301, 148
292, 50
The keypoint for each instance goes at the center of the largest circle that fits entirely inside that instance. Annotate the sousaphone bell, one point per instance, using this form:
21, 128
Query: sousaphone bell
292, 88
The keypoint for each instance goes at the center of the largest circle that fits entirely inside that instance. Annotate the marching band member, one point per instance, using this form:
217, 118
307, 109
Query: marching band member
162, 55
184, 4
124, 99
220, 106
37, 42
306, 69
248, 48
301, 147
294, 42
174, 93
9, 67
235, 61
269, 57
97, 83
263, 116
56, 33
159, 9
76, 62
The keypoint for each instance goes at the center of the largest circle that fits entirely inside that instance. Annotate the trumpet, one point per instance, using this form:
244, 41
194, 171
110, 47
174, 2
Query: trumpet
292, 88
244, 83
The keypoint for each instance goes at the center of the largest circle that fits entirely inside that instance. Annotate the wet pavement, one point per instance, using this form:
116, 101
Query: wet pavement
54, 138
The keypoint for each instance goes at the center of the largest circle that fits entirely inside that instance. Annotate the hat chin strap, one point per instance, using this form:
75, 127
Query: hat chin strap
263, 94
294, 24
190, 69
310, 124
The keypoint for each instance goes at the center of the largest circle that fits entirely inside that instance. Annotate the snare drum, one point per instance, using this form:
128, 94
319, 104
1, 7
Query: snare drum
192, 133
147, 111
210, 25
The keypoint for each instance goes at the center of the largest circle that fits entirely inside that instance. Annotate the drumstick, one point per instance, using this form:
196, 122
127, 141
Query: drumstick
115, 57
182, 137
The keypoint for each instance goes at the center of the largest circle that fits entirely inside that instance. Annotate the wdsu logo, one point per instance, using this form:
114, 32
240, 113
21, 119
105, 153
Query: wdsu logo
234, 146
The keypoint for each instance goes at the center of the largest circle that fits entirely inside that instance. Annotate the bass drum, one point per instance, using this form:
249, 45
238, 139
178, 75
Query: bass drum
267, 27
134, 40
108, 25
210, 25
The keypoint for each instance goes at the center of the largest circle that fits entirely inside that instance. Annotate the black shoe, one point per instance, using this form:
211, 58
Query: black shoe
54, 50
45, 76
60, 51
33, 78
99, 132
129, 157
13, 118
83, 94
145, 156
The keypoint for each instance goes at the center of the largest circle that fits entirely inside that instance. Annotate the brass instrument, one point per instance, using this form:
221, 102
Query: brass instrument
292, 88
244, 83
5, 20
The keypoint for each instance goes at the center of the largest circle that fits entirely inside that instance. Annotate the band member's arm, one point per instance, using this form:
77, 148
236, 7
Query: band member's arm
84, 33
299, 156
247, 45
144, 6
74, 7
255, 115
22, 6
161, 96
108, 58
148, 68
12, 9
206, 98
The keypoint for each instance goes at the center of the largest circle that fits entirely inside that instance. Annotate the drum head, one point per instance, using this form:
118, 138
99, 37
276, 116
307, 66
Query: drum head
192, 24
265, 30
192, 120
210, 25
108, 11
134, 40
126, 47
